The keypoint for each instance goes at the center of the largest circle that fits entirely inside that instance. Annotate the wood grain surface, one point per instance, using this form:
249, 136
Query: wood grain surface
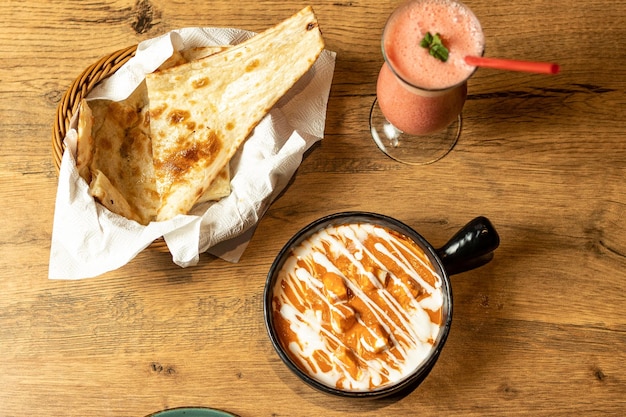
541, 330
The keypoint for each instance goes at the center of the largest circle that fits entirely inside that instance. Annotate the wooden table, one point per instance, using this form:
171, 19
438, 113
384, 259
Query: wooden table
541, 330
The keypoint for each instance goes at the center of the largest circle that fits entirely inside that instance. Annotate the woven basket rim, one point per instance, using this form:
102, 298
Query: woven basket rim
79, 89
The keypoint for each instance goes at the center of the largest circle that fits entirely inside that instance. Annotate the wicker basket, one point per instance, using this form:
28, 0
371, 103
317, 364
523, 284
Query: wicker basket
82, 86
79, 89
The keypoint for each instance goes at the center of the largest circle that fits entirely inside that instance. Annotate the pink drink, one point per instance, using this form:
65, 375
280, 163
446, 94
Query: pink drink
418, 93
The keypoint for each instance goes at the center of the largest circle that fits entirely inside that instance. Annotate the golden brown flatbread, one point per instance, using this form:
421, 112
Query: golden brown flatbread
85, 147
167, 146
110, 197
202, 111
114, 151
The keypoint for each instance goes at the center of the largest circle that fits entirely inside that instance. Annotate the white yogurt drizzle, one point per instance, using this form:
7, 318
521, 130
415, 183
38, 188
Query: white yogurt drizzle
411, 333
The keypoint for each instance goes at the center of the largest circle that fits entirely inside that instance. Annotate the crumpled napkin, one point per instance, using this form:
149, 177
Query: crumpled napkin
88, 240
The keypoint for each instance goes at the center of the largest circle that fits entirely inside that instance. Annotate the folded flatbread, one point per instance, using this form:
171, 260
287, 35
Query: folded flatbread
202, 111
114, 155
114, 150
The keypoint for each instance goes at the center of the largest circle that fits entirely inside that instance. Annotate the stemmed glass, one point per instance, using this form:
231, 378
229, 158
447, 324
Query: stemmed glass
416, 117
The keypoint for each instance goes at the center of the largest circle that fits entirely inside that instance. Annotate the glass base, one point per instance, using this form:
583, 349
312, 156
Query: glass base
412, 149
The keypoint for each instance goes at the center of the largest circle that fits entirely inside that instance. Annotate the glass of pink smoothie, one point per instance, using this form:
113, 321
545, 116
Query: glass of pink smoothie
416, 118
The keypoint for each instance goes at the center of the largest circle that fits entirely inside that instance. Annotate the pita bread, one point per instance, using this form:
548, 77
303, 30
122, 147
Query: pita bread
202, 111
114, 151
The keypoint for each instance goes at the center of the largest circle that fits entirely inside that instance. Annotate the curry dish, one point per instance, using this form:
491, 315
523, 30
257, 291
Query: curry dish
357, 306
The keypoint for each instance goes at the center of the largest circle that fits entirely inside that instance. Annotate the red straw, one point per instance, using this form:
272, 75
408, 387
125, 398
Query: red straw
513, 65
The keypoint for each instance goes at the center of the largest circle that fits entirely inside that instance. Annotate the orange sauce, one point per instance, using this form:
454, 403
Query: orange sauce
357, 306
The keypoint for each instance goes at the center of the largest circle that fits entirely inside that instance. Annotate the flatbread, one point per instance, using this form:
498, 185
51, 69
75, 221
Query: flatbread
110, 197
202, 111
220, 186
85, 147
114, 151
115, 155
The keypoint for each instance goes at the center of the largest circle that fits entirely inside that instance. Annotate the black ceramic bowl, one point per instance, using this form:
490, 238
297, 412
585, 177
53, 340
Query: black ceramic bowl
470, 247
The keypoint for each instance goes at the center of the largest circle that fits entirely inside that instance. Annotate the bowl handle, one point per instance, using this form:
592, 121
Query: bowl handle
470, 247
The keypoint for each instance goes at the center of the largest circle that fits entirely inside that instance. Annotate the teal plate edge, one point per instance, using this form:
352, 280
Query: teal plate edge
192, 412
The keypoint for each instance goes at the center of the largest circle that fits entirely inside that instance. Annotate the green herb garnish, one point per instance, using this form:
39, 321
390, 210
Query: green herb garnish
435, 46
